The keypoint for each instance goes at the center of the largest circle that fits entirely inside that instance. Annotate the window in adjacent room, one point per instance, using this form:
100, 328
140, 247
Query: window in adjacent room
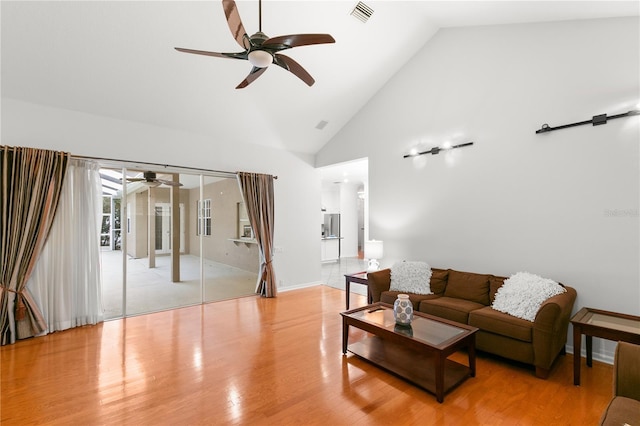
204, 217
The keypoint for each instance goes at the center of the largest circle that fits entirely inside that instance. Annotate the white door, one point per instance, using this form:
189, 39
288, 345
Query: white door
163, 228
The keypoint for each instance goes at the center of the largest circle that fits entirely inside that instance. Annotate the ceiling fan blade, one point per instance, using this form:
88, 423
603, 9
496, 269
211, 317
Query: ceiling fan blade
253, 75
293, 40
168, 182
135, 179
295, 68
235, 23
239, 55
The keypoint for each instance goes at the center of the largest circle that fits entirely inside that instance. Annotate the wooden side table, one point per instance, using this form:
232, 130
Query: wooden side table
358, 278
603, 324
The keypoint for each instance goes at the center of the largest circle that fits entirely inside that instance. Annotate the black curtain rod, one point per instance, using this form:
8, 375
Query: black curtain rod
143, 163
596, 120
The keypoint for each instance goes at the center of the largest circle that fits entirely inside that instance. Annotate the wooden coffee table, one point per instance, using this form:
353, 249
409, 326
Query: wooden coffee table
419, 353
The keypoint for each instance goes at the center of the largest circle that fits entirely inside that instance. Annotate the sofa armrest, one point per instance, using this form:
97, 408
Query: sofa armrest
379, 281
626, 371
551, 326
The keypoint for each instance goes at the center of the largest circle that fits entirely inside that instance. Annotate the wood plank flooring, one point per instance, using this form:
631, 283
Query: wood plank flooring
261, 361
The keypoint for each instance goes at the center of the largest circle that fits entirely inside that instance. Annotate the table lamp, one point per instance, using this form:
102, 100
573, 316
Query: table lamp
373, 250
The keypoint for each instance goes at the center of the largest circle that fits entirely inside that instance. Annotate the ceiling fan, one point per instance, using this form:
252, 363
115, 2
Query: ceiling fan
150, 179
261, 50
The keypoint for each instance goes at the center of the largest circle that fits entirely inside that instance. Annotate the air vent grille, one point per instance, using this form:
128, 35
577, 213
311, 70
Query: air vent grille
362, 12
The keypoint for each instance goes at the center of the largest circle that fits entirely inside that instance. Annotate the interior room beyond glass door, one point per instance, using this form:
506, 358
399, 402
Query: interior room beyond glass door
161, 272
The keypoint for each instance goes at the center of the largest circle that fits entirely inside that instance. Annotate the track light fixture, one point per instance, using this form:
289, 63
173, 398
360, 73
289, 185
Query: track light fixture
436, 150
596, 120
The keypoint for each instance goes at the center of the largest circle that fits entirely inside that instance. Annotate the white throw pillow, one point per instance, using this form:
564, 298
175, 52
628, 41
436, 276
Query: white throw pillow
523, 293
411, 277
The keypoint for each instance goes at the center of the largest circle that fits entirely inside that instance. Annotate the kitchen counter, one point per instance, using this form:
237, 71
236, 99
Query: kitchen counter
330, 249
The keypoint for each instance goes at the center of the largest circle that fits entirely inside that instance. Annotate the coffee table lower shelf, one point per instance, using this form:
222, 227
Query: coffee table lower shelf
410, 364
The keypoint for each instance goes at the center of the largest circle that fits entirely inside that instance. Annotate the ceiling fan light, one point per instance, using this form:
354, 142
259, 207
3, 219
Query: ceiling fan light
260, 58
151, 184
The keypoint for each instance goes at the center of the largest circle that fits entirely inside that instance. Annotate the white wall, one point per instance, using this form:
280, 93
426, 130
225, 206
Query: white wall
564, 204
297, 189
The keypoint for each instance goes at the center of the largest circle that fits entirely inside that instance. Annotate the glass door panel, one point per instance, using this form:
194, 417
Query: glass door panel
162, 273
111, 260
229, 254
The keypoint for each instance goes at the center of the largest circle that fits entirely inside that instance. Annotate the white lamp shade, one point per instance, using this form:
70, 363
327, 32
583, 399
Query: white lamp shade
260, 58
373, 249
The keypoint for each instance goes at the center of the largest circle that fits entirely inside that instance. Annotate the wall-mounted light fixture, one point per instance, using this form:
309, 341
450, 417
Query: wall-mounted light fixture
436, 150
596, 120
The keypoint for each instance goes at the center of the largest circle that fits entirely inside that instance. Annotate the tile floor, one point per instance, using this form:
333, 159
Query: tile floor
333, 273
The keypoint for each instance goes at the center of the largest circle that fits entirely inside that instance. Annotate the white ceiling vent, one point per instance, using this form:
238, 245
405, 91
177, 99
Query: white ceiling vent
362, 12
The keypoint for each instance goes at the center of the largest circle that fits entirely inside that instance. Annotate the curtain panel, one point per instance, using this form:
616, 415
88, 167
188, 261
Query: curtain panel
66, 282
257, 192
30, 184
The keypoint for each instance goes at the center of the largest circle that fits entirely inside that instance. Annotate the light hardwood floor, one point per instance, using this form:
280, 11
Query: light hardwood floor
264, 361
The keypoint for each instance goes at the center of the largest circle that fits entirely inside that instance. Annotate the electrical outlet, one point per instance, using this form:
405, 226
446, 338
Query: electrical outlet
278, 249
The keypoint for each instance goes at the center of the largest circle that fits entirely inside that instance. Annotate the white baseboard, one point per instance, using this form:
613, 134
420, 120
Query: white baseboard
602, 356
299, 286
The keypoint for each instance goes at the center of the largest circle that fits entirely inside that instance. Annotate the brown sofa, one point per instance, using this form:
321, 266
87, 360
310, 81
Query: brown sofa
624, 408
466, 297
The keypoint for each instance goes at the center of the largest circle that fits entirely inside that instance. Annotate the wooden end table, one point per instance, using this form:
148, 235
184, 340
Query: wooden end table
357, 278
604, 324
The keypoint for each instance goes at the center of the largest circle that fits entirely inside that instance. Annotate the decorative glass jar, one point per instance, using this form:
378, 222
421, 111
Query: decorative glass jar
403, 310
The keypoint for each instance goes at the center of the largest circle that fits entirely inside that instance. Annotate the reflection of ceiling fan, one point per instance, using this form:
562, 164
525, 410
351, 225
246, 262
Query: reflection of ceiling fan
149, 179
261, 50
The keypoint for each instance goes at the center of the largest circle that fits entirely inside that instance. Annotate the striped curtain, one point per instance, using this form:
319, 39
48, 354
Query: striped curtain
30, 184
257, 192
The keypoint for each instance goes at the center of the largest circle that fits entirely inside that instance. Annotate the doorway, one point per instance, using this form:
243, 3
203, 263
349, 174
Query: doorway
163, 228
344, 192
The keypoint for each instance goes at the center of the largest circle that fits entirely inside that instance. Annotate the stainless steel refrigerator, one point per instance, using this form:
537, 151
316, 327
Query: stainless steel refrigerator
331, 225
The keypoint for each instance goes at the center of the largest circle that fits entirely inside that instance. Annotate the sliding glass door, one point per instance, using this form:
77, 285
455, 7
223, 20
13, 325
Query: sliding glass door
183, 242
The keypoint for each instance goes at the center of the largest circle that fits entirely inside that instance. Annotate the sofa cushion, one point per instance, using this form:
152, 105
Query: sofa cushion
411, 277
621, 411
438, 281
450, 308
523, 294
494, 284
391, 296
468, 286
492, 321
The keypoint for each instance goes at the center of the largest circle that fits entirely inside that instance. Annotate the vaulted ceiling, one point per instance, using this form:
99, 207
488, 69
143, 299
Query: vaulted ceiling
117, 59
